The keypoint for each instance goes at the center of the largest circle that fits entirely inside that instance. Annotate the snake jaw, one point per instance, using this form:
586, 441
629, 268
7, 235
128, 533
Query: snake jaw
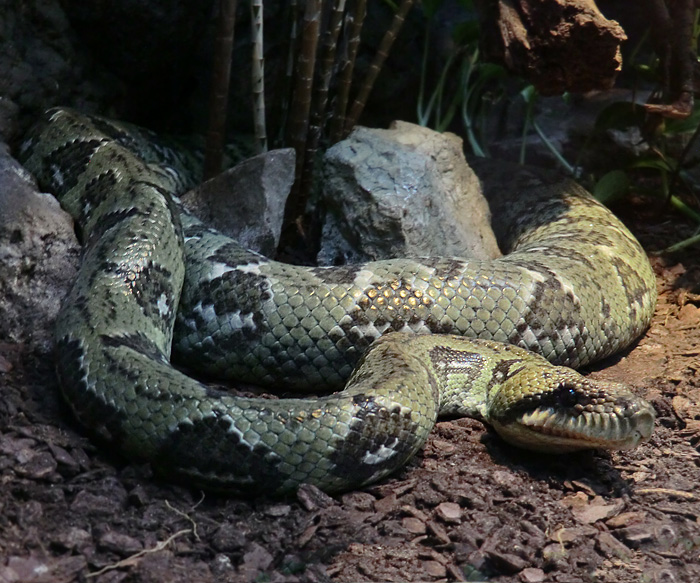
547, 430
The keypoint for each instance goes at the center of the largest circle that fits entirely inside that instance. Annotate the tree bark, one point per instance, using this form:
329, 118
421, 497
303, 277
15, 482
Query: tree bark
557, 45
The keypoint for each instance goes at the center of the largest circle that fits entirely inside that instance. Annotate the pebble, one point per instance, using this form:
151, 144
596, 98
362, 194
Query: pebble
449, 512
121, 544
40, 465
413, 525
228, 538
506, 562
434, 569
636, 535
611, 547
532, 575
311, 498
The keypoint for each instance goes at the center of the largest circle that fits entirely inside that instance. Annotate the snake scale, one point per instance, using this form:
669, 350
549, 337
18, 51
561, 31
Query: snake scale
574, 287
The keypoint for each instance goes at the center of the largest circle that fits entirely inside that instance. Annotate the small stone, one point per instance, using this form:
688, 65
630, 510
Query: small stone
449, 512
363, 501
438, 530
26, 568
626, 519
38, 466
138, 496
611, 547
278, 510
228, 538
532, 575
73, 539
636, 535
554, 554
506, 562
255, 560
413, 525
94, 504
311, 498
121, 544
386, 504
596, 511
567, 535
413, 511
434, 569
64, 458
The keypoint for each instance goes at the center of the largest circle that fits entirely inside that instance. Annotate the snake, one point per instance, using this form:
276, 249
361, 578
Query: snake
384, 347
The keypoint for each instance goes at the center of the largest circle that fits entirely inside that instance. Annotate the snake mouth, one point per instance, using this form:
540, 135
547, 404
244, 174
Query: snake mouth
551, 430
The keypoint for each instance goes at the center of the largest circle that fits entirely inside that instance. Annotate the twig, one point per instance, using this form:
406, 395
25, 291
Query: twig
133, 559
220, 80
185, 516
670, 492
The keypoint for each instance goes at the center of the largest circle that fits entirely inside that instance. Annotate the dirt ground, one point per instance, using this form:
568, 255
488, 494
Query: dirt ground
468, 507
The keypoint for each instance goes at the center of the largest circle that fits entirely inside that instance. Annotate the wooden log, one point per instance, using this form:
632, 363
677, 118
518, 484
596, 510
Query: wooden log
557, 45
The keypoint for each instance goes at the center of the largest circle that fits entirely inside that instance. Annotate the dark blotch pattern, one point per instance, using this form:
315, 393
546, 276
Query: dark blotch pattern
374, 427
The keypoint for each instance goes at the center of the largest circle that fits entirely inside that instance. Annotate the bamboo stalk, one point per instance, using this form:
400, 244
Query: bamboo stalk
382, 53
354, 23
220, 81
320, 96
285, 92
258, 73
301, 100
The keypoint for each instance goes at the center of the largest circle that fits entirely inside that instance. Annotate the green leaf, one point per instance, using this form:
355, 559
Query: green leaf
611, 186
663, 164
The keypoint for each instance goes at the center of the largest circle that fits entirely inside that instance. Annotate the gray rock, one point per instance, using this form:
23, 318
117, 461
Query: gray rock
402, 192
38, 257
247, 201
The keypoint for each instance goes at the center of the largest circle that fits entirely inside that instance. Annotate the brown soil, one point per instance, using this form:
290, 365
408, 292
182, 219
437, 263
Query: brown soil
466, 508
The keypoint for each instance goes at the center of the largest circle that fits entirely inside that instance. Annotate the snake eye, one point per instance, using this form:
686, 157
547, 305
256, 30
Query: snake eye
566, 395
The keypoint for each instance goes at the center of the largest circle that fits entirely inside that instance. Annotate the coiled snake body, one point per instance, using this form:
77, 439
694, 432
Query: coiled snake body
575, 287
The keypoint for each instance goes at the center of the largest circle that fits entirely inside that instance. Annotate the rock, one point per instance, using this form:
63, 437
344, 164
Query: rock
506, 562
255, 560
247, 201
228, 538
611, 547
311, 498
597, 510
38, 257
434, 569
636, 535
402, 192
413, 525
121, 544
449, 512
41, 465
73, 538
532, 575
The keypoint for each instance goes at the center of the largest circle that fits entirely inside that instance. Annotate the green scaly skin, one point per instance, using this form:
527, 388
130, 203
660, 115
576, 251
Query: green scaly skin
575, 287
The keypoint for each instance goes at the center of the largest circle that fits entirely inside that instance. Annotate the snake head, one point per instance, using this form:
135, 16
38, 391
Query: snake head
558, 411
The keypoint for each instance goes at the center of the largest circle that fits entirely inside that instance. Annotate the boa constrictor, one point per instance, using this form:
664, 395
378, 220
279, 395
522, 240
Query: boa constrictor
576, 286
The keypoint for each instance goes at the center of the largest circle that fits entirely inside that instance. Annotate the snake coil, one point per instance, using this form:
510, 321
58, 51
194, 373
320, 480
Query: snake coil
574, 287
